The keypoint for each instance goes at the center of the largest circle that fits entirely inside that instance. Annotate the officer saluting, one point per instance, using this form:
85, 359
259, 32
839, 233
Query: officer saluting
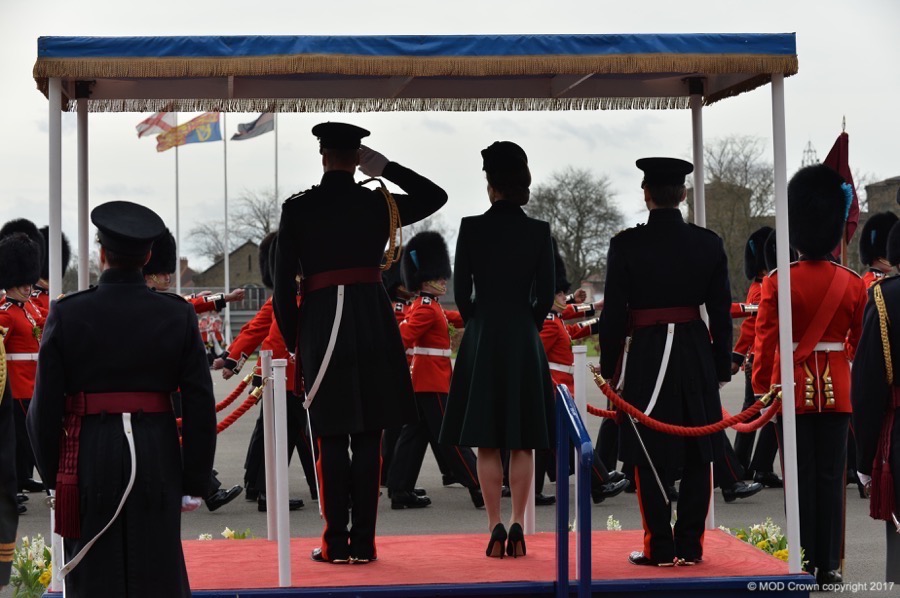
349, 350
112, 414
657, 277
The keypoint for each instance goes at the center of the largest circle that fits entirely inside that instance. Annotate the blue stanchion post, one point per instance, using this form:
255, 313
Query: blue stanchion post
571, 428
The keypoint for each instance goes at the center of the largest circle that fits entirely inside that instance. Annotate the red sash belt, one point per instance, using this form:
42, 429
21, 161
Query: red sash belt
333, 278
642, 318
77, 406
882, 502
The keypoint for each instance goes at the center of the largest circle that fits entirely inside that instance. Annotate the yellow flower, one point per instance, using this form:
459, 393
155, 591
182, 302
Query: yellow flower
762, 544
741, 536
781, 554
44, 579
228, 533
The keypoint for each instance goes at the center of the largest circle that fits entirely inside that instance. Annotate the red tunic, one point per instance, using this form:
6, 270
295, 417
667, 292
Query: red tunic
274, 342
41, 296
214, 302
23, 322
810, 280
579, 310
250, 337
870, 276
426, 331
744, 345
557, 337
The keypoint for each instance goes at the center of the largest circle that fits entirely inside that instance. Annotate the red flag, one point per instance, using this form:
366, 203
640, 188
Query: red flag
838, 159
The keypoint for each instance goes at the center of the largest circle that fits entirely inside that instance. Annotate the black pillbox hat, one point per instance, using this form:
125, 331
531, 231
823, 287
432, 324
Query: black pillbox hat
127, 228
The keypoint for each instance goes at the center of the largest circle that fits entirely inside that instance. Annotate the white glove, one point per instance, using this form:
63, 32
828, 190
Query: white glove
722, 385
190, 503
371, 163
866, 480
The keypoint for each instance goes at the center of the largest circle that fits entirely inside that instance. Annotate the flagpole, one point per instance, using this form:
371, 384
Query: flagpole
227, 254
177, 224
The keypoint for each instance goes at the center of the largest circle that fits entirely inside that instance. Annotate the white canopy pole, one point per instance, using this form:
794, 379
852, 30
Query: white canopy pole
268, 412
699, 190
177, 224
227, 252
54, 125
84, 274
785, 326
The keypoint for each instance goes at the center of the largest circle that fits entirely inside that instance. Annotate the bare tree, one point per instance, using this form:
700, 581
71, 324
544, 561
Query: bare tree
208, 239
738, 161
257, 214
579, 208
435, 223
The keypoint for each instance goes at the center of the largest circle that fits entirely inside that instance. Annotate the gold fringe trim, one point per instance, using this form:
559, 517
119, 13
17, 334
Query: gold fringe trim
382, 104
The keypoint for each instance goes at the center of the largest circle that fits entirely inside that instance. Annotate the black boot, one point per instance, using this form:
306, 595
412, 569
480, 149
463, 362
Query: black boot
220, 498
403, 499
608, 490
741, 490
294, 504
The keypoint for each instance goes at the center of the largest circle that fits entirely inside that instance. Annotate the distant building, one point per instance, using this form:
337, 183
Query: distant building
243, 264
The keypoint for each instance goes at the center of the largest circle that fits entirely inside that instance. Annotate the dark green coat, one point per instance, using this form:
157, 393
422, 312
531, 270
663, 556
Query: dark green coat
501, 395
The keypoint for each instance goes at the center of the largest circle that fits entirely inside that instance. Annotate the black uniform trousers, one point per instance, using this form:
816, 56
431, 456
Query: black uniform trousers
660, 543
607, 445
414, 439
348, 493
545, 465
297, 438
24, 454
821, 468
389, 444
762, 459
727, 471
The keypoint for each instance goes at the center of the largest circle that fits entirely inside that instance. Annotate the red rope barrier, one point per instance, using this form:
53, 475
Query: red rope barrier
229, 399
757, 423
673, 429
249, 402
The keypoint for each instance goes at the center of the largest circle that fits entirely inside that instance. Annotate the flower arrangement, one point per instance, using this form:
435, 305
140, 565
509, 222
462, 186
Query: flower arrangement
766, 536
205, 537
230, 534
613, 525
31, 569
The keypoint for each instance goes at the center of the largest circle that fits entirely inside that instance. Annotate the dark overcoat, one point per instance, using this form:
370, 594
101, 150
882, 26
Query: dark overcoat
83, 350
668, 263
334, 226
9, 514
501, 395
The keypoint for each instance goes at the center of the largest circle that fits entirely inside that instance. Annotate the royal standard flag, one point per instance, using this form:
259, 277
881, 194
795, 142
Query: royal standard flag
203, 128
263, 124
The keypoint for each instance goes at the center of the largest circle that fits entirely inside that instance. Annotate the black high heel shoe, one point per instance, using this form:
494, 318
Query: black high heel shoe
515, 545
498, 536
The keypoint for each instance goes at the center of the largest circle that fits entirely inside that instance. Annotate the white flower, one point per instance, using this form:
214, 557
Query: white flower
206, 536
724, 529
228, 533
613, 525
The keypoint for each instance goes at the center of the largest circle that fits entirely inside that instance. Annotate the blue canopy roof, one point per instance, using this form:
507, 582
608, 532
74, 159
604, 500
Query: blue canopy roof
409, 72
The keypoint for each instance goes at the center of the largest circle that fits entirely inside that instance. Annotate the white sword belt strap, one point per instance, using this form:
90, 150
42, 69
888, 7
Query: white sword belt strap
561, 367
826, 347
620, 385
663, 366
329, 349
22, 356
432, 351
129, 438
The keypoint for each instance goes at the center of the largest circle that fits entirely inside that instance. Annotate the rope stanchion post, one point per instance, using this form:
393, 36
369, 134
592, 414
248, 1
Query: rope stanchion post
265, 361
579, 352
280, 472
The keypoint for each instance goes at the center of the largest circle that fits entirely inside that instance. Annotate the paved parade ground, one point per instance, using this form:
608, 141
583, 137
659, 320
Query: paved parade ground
452, 512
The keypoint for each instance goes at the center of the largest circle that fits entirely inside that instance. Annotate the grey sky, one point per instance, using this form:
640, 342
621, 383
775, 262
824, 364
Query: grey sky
847, 56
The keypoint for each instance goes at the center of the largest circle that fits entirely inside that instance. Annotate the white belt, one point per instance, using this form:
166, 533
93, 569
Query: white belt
832, 346
409, 351
22, 356
431, 351
561, 367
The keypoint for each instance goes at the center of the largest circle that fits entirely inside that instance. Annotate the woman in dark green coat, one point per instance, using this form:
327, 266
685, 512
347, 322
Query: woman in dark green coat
501, 396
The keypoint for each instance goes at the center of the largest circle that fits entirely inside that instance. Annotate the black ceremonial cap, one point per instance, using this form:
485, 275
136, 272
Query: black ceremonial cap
392, 279
771, 253
20, 260
339, 135
127, 228
425, 258
66, 253
162, 259
873, 240
562, 282
754, 252
265, 250
817, 210
893, 245
664, 171
503, 155
23, 225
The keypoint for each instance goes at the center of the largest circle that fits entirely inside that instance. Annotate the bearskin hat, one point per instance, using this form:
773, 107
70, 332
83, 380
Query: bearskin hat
20, 260
873, 239
66, 253
21, 225
162, 255
817, 210
893, 245
769, 251
425, 258
562, 283
392, 279
754, 252
266, 263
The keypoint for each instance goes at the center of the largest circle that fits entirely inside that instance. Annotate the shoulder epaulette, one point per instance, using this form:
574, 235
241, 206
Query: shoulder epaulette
299, 194
855, 273
426, 300
5, 306
550, 316
704, 229
68, 296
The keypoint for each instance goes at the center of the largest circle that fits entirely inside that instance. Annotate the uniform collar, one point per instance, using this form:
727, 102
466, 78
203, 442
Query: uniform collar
337, 176
121, 276
434, 298
14, 301
504, 205
659, 215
